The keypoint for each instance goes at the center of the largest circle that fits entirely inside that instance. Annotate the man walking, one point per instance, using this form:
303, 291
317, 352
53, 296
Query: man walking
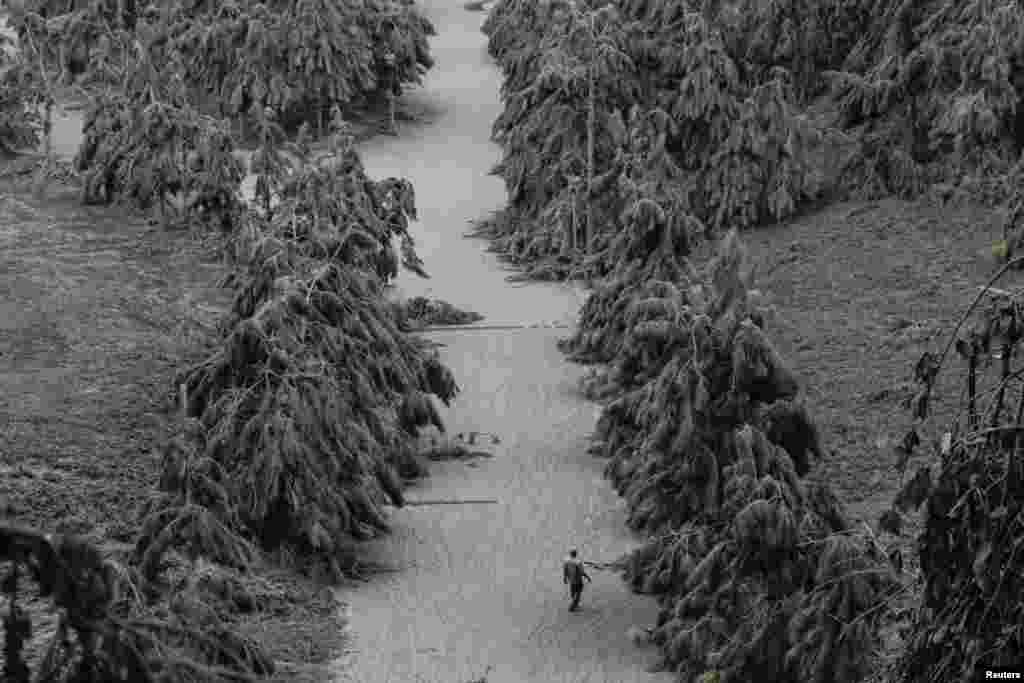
573, 575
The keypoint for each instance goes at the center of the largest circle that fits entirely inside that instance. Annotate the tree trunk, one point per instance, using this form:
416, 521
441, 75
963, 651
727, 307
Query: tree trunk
48, 129
1006, 356
567, 236
972, 416
392, 81
591, 126
573, 223
391, 114
43, 174
183, 400
165, 215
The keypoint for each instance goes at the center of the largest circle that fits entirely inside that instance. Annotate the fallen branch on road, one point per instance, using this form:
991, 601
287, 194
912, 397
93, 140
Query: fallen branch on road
617, 565
457, 448
493, 328
454, 452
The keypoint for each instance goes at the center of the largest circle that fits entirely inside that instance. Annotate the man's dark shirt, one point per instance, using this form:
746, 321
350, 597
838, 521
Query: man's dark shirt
574, 573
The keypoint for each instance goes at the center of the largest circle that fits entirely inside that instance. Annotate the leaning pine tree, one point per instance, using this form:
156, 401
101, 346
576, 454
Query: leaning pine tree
144, 142
759, 575
561, 127
20, 94
933, 92
737, 147
105, 630
300, 58
650, 246
308, 409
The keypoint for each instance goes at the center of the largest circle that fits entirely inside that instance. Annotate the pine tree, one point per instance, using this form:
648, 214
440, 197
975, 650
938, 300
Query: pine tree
308, 408
21, 91
707, 442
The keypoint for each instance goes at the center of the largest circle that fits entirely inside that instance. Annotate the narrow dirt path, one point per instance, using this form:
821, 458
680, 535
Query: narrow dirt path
480, 585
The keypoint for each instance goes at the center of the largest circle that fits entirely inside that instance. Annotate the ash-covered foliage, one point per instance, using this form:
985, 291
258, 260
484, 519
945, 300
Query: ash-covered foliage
160, 155
20, 94
759, 575
973, 570
145, 140
929, 91
300, 57
732, 147
973, 495
168, 84
109, 628
418, 311
301, 423
309, 406
766, 105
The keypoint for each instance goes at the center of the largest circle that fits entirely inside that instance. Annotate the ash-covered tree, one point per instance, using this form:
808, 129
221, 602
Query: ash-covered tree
734, 132
561, 129
301, 57
805, 37
144, 142
154, 135
762, 170
758, 574
21, 94
148, 145
308, 407
971, 489
934, 91
103, 630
